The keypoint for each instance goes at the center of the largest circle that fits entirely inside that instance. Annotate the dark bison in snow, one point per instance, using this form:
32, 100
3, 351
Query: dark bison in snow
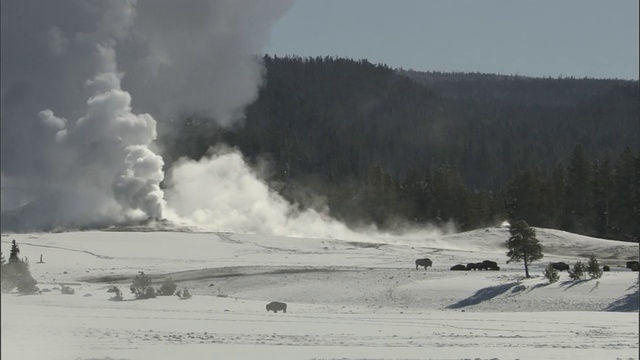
490, 265
633, 265
560, 266
479, 266
276, 306
471, 266
458, 267
423, 262
606, 268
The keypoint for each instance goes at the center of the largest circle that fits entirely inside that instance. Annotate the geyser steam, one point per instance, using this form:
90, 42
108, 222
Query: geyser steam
79, 80
68, 161
230, 196
117, 134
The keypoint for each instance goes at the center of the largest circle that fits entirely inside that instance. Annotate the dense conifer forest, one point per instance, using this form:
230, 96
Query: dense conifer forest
396, 147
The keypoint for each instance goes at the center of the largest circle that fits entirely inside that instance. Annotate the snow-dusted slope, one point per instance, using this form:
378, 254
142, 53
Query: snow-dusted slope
346, 299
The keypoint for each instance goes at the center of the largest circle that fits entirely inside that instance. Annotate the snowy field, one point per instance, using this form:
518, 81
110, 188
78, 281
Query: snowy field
346, 299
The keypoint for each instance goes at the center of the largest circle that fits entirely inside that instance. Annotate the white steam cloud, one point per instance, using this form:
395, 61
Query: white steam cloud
79, 79
231, 197
79, 82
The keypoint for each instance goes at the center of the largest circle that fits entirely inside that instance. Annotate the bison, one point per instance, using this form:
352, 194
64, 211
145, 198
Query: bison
606, 268
490, 265
560, 266
458, 267
471, 266
633, 265
423, 262
480, 266
276, 306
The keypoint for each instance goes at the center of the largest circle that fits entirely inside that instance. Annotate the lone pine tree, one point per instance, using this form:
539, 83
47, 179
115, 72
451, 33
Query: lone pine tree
523, 245
15, 251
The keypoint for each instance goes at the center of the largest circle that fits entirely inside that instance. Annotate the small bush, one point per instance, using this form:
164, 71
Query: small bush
168, 287
140, 284
593, 268
67, 290
220, 293
578, 271
150, 293
118, 293
184, 294
551, 274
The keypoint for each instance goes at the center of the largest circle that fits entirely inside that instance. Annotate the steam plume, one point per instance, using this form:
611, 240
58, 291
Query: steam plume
70, 161
230, 196
79, 82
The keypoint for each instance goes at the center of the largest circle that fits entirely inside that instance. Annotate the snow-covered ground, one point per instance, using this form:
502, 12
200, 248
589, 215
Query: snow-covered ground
346, 299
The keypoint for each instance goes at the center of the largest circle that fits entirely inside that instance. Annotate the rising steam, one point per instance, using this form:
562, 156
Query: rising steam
232, 197
82, 85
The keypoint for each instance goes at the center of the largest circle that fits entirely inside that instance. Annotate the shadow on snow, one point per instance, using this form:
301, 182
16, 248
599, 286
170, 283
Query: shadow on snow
571, 283
627, 303
484, 294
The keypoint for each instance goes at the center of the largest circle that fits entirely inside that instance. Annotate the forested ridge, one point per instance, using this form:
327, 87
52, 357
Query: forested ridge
389, 146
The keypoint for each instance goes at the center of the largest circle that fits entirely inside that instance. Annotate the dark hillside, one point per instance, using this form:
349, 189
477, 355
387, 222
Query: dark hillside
513, 89
382, 144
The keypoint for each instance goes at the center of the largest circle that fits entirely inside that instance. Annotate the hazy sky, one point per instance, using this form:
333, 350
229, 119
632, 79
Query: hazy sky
594, 38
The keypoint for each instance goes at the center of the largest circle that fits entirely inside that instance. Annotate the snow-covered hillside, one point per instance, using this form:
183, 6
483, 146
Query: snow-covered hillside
346, 299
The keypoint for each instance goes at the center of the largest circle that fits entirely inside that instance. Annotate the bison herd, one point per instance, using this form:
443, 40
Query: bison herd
485, 265
492, 265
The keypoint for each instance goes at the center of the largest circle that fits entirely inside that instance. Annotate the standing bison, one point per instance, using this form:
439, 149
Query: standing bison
423, 262
633, 265
276, 306
490, 265
560, 266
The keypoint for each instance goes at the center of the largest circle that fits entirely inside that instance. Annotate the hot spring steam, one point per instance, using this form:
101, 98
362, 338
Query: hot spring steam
83, 84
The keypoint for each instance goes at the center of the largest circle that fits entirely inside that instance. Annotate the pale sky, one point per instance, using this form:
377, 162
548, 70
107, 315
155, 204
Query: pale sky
593, 38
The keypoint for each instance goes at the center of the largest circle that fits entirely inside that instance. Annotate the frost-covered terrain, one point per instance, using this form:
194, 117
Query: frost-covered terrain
346, 300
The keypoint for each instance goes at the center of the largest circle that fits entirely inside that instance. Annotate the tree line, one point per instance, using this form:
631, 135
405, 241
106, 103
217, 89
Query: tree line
391, 147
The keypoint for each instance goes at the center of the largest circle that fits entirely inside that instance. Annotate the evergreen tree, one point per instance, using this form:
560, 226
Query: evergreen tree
551, 273
625, 211
577, 197
3, 272
168, 287
15, 252
523, 245
556, 190
602, 194
578, 271
16, 273
593, 267
328, 121
527, 196
140, 285
25, 283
